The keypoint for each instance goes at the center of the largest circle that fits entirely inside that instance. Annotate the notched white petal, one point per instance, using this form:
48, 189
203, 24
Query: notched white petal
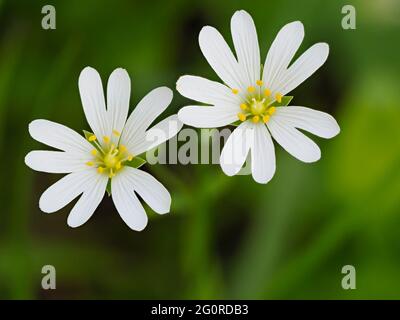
282, 51
58, 136
245, 40
93, 102
149, 189
128, 205
158, 134
220, 57
207, 91
262, 155
56, 161
118, 95
207, 117
88, 202
309, 62
293, 141
147, 110
317, 122
65, 190
236, 149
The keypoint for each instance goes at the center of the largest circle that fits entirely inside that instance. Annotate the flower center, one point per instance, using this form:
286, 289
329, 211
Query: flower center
258, 103
257, 107
108, 159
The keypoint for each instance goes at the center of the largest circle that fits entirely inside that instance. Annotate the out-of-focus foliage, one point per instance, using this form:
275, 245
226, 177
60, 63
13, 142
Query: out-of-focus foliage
226, 237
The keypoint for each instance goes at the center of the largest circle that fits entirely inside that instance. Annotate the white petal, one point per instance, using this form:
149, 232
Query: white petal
58, 136
207, 117
161, 132
148, 109
220, 57
93, 102
56, 161
293, 141
66, 189
149, 189
244, 37
319, 123
262, 155
309, 62
280, 54
118, 95
236, 149
207, 91
128, 205
88, 202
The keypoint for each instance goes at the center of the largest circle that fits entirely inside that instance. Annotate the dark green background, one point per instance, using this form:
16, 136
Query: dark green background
226, 237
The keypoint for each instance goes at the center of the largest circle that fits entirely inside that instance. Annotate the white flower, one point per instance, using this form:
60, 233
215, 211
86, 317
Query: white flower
106, 154
256, 97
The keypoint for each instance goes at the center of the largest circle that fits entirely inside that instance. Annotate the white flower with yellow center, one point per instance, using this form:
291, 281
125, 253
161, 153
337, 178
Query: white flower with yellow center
256, 98
108, 158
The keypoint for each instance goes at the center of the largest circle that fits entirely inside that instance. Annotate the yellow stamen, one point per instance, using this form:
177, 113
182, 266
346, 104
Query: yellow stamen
100, 170
117, 133
118, 165
266, 118
106, 139
267, 92
130, 157
241, 116
111, 174
93, 152
259, 83
251, 89
271, 110
92, 138
243, 106
256, 119
90, 163
278, 97
122, 148
235, 91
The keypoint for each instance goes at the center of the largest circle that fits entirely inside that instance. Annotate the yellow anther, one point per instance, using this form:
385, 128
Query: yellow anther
118, 165
271, 110
117, 133
93, 152
122, 148
90, 163
241, 116
130, 157
111, 174
92, 138
266, 118
259, 83
106, 139
267, 92
251, 89
235, 91
100, 169
278, 97
243, 106
256, 119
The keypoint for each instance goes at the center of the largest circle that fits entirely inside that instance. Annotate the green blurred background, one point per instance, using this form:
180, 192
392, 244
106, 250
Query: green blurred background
226, 237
